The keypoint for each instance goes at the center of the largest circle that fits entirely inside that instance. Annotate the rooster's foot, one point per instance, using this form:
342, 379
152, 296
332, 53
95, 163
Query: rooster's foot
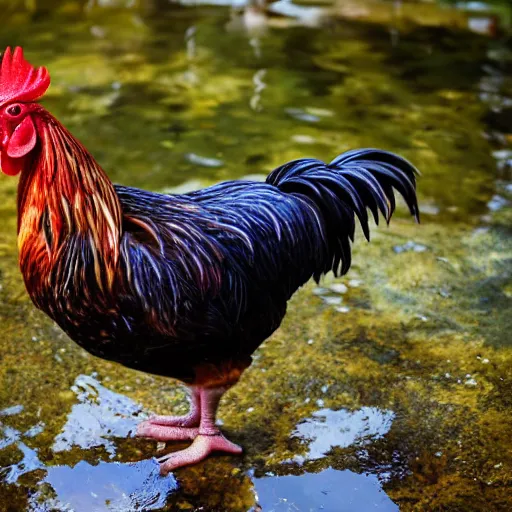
202, 446
160, 432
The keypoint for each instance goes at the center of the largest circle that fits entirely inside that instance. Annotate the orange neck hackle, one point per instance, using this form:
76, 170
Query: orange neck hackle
64, 192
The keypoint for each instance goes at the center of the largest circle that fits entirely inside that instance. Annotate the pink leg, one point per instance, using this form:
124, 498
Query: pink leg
208, 440
174, 428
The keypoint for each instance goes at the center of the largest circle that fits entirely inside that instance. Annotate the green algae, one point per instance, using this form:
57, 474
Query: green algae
423, 327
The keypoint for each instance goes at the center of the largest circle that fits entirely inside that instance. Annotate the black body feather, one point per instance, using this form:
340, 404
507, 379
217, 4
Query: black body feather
205, 276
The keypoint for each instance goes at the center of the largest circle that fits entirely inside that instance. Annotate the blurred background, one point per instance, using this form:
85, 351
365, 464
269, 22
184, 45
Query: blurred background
389, 389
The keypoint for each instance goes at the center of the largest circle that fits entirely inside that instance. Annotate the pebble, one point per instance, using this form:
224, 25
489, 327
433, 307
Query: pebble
302, 115
409, 246
203, 160
339, 288
331, 300
303, 139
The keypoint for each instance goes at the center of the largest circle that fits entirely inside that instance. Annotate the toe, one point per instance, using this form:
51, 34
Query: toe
221, 444
197, 451
190, 420
161, 433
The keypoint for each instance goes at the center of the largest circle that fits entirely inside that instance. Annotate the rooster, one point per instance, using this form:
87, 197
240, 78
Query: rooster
184, 286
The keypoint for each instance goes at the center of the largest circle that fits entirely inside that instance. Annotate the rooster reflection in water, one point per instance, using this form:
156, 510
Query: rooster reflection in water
184, 286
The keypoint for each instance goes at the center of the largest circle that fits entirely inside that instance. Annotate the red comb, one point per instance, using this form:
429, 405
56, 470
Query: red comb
19, 80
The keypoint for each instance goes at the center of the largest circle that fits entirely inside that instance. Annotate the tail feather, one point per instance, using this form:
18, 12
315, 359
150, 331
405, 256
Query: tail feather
352, 183
400, 173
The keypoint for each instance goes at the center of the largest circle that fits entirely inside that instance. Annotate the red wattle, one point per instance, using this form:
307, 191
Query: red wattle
23, 139
10, 166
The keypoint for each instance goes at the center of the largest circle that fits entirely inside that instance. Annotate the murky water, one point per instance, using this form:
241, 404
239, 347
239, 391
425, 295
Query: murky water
388, 389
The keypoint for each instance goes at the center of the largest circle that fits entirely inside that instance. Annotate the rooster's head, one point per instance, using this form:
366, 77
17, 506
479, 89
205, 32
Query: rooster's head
21, 85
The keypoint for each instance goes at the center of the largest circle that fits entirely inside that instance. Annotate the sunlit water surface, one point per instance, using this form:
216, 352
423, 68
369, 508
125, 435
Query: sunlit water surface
388, 389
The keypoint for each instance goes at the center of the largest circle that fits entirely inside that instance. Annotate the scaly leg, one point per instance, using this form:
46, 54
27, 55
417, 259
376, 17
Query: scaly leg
174, 428
209, 438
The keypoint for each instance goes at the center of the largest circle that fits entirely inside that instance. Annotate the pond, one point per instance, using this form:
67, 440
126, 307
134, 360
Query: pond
388, 389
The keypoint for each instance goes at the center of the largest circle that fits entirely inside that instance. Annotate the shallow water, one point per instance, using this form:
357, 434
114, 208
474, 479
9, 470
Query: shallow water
388, 389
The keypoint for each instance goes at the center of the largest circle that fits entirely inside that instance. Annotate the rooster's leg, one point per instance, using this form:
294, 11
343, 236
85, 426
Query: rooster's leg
174, 428
189, 420
209, 439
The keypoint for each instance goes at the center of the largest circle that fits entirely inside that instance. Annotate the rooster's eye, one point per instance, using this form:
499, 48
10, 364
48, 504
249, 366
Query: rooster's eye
14, 111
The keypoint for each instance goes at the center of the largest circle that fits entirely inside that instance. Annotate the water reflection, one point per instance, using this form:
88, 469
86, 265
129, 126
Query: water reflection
327, 429
28, 463
99, 416
329, 490
105, 487
9, 436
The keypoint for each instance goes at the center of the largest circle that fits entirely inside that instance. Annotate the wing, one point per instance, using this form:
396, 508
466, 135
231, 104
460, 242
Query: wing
217, 260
